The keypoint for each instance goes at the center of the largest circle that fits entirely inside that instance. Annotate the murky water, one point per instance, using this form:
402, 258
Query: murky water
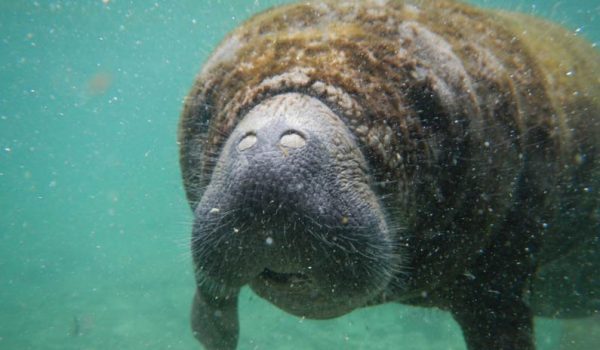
94, 225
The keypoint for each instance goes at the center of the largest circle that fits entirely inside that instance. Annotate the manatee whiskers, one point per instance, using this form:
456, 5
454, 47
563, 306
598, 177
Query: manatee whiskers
372, 252
209, 236
182, 243
380, 271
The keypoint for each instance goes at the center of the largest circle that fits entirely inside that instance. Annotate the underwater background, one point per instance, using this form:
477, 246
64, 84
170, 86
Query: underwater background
94, 226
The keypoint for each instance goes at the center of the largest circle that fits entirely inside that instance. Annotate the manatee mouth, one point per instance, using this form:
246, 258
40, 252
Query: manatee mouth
283, 278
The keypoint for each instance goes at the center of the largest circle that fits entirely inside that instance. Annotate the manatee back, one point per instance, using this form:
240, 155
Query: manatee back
567, 283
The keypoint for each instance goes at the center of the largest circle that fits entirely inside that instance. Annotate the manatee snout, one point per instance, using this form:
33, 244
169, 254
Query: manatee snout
290, 211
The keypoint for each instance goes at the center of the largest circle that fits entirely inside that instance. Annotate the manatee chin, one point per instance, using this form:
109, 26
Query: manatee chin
289, 210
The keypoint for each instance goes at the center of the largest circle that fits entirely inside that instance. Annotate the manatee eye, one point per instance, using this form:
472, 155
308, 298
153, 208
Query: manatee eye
292, 139
247, 142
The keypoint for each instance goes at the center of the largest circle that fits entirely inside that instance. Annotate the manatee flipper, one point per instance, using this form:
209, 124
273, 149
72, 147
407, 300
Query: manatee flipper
488, 322
488, 305
215, 320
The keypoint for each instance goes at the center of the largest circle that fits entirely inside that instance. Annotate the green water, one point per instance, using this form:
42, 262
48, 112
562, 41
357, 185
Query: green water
93, 222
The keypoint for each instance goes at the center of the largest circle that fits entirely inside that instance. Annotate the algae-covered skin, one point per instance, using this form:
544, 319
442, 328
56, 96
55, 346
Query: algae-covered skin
339, 154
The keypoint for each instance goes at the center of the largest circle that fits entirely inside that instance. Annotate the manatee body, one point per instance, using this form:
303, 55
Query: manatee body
340, 154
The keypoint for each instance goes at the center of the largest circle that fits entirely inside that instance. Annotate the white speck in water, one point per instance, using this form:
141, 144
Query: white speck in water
236, 230
486, 144
214, 210
269, 241
218, 313
570, 73
544, 225
469, 275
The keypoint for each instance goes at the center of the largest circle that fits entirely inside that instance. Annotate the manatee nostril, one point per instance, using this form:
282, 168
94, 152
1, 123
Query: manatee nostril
292, 139
247, 142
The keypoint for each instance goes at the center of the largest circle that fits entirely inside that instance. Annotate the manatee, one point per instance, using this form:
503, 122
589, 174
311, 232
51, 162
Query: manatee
342, 154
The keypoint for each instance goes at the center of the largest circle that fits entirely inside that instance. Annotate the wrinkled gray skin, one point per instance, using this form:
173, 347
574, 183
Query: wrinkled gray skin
290, 189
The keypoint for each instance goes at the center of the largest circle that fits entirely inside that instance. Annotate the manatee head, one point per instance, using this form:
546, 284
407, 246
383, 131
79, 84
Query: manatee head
290, 211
